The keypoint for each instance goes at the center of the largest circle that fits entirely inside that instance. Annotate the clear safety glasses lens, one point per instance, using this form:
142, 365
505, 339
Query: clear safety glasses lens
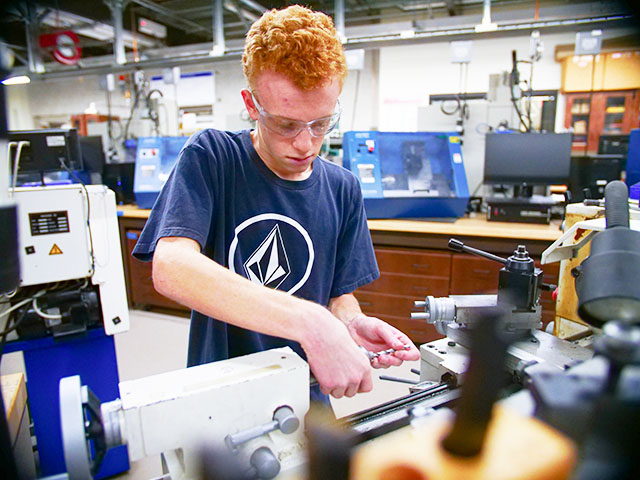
290, 128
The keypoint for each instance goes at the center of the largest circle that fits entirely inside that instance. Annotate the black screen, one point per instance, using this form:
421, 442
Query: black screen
593, 172
48, 150
119, 178
93, 156
527, 158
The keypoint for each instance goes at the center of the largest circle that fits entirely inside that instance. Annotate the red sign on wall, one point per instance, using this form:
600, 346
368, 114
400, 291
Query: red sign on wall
64, 46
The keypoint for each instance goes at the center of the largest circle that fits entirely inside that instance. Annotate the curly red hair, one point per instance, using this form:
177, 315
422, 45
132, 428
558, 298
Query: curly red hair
297, 42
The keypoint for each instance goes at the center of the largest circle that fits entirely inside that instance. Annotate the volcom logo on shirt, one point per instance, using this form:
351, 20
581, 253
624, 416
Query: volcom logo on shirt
268, 265
272, 250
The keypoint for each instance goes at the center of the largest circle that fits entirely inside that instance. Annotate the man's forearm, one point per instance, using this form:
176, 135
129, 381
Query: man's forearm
183, 274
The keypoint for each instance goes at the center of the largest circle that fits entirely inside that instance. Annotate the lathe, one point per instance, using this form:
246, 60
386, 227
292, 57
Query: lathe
579, 408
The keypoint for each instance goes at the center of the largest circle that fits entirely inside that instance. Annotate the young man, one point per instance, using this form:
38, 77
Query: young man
262, 238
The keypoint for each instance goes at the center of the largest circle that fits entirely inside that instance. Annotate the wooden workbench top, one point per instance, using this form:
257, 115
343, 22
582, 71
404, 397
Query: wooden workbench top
472, 227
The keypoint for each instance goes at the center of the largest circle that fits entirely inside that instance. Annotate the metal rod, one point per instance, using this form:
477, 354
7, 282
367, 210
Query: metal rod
116, 7
218, 29
339, 18
32, 24
458, 246
389, 378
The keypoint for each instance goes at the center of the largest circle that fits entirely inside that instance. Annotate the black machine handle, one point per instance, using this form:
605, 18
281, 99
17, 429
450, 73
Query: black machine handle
458, 246
616, 210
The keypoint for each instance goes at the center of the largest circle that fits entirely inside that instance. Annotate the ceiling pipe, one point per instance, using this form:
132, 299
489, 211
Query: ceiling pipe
218, 30
255, 5
486, 11
32, 24
116, 7
339, 19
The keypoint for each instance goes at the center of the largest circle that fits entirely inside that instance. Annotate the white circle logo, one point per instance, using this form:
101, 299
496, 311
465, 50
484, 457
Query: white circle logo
269, 264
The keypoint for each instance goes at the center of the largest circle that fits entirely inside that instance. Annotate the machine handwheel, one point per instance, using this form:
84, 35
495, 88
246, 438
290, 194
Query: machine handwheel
81, 423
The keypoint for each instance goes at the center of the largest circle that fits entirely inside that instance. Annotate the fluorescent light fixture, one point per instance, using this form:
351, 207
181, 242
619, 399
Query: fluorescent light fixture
17, 80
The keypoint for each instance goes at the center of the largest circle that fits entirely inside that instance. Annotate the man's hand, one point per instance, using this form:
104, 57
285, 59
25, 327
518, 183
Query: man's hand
339, 365
376, 335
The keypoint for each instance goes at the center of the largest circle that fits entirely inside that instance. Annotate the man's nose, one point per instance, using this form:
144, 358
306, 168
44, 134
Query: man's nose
303, 141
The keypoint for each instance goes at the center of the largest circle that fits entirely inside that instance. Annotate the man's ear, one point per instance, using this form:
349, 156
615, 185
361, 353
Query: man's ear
249, 105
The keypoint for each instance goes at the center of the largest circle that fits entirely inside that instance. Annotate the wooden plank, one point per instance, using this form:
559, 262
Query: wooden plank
14, 396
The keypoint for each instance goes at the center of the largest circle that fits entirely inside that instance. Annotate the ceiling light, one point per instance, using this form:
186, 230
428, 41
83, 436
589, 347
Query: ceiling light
18, 80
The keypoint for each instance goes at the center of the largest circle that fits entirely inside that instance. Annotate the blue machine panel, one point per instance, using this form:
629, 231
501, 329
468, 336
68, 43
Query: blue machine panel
408, 174
633, 158
155, 158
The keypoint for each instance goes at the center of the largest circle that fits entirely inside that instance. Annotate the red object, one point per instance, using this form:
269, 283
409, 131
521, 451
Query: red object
554, 294
64, 46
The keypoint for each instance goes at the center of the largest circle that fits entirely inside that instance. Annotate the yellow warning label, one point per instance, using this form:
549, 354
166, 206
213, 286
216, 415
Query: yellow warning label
453, 139
55, 250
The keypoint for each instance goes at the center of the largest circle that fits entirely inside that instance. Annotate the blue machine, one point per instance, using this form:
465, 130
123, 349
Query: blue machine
633, 159
155, 157
408, 174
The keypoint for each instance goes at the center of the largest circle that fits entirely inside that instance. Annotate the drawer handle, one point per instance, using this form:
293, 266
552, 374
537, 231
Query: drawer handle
364, 304
417, 287
481, 271
420, 265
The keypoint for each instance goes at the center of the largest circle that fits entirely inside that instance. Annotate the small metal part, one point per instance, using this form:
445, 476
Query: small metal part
373, 355
397, 379
284, 420
265, 463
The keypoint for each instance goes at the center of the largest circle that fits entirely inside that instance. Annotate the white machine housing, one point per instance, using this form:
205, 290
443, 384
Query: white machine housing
183, 413
66, 233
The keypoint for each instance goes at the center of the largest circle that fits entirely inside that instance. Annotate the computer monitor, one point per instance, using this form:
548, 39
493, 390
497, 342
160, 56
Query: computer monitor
119, 178
93, 157
527, 158
593, 172
613, 144
49, 150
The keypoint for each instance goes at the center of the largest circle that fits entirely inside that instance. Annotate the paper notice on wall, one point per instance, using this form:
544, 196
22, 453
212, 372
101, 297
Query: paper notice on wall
192, 89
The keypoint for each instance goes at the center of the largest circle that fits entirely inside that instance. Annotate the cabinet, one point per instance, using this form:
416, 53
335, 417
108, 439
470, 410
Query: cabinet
600, 113
140, 291
407, 275
608, 71
414, 262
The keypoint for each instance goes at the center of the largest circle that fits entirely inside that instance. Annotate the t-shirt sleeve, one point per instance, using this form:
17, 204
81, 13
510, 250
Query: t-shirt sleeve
355, 258
185, 205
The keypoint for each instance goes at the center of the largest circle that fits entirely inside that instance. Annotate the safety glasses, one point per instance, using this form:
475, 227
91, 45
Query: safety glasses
290, 128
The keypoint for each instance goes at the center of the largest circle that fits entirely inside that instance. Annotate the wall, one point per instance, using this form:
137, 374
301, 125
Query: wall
391, 92
409, 74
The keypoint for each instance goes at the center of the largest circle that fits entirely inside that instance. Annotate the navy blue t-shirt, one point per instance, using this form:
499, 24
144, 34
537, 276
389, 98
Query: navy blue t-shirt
308, 238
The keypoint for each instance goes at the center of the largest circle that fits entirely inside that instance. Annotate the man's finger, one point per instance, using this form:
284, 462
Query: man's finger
337, 392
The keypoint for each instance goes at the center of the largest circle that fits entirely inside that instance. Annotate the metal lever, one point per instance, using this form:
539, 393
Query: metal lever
458, 246
283, 419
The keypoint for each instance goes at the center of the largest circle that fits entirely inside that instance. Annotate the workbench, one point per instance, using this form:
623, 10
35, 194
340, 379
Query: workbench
414, 262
